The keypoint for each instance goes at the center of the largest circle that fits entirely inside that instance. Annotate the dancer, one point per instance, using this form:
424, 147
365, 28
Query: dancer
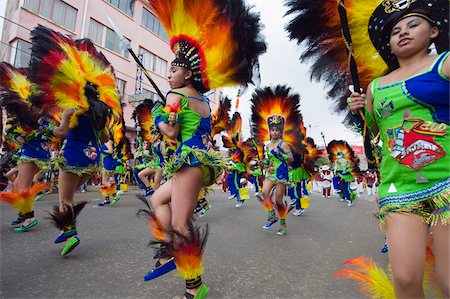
33, 132
411, 120
327, 177
235, 165
208, 42
345, 165
73, 74
405, 113
109, 167
275, 119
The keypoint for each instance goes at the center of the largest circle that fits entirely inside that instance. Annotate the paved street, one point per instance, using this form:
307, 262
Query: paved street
242, 260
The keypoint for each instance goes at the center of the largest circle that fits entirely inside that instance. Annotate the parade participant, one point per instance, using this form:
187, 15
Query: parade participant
123, 155
235, 165
303, 170
413, 124
275, 118
33, 132
109, 167
255, 174
145, 126
407, 105
211, 51
370, 183
79, 80
327, 177
154, 168
345, 168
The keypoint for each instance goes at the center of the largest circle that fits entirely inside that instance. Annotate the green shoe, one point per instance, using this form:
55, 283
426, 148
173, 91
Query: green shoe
202, 293
70, 245
115, 200
23, 228
281, 232
39, 197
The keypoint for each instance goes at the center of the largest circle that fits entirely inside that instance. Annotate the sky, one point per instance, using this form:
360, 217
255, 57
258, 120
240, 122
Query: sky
281, 65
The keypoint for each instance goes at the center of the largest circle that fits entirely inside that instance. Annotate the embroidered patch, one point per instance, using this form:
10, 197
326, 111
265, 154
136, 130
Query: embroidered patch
414, 145
91, 153
387, 107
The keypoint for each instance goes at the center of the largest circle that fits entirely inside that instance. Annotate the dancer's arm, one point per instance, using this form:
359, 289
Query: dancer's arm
63, 128
171, 131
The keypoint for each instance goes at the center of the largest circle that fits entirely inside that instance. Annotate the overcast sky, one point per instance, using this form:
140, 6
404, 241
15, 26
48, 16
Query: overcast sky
280, 65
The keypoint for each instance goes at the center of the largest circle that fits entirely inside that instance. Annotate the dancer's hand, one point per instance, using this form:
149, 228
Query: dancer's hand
356, 101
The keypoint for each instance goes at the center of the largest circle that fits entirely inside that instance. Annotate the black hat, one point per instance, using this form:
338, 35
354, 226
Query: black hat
390, 12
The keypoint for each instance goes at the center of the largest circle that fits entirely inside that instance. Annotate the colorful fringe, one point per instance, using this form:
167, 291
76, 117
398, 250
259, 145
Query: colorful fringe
375, 283
188, 251
282, 210
23, 201
440, 209
210, 159
66, 220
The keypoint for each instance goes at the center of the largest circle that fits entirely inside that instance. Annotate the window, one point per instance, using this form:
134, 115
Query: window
123, 5
149, 94
138, 98
95, 31
121, 86
153, 63
21, 53
106, 37
55, 10
151, 22
112, 43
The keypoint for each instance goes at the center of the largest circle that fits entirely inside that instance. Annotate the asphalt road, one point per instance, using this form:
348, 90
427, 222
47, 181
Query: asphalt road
242, 260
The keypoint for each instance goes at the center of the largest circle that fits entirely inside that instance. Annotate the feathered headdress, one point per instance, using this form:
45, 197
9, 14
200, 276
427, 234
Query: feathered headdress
276, 106
16, 93
234, 132
218, 40
317, 26
72, 74
312, 153
220, 118
341, 149
142, 116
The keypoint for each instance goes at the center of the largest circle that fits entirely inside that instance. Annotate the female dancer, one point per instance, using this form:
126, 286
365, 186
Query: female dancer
33, 134
155, 168
78, 76
208, 42
109, 168
275, 115
409, 108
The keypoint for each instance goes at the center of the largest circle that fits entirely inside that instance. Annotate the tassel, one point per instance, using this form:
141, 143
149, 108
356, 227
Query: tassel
66, 220
109, 190
23, 201
266, 203
188, 251
282, 210
372, 280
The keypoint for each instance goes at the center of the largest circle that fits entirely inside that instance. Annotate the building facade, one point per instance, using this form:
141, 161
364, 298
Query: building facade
89, 19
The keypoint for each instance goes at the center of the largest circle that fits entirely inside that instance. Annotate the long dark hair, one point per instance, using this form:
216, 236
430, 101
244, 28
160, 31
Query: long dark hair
99, 112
